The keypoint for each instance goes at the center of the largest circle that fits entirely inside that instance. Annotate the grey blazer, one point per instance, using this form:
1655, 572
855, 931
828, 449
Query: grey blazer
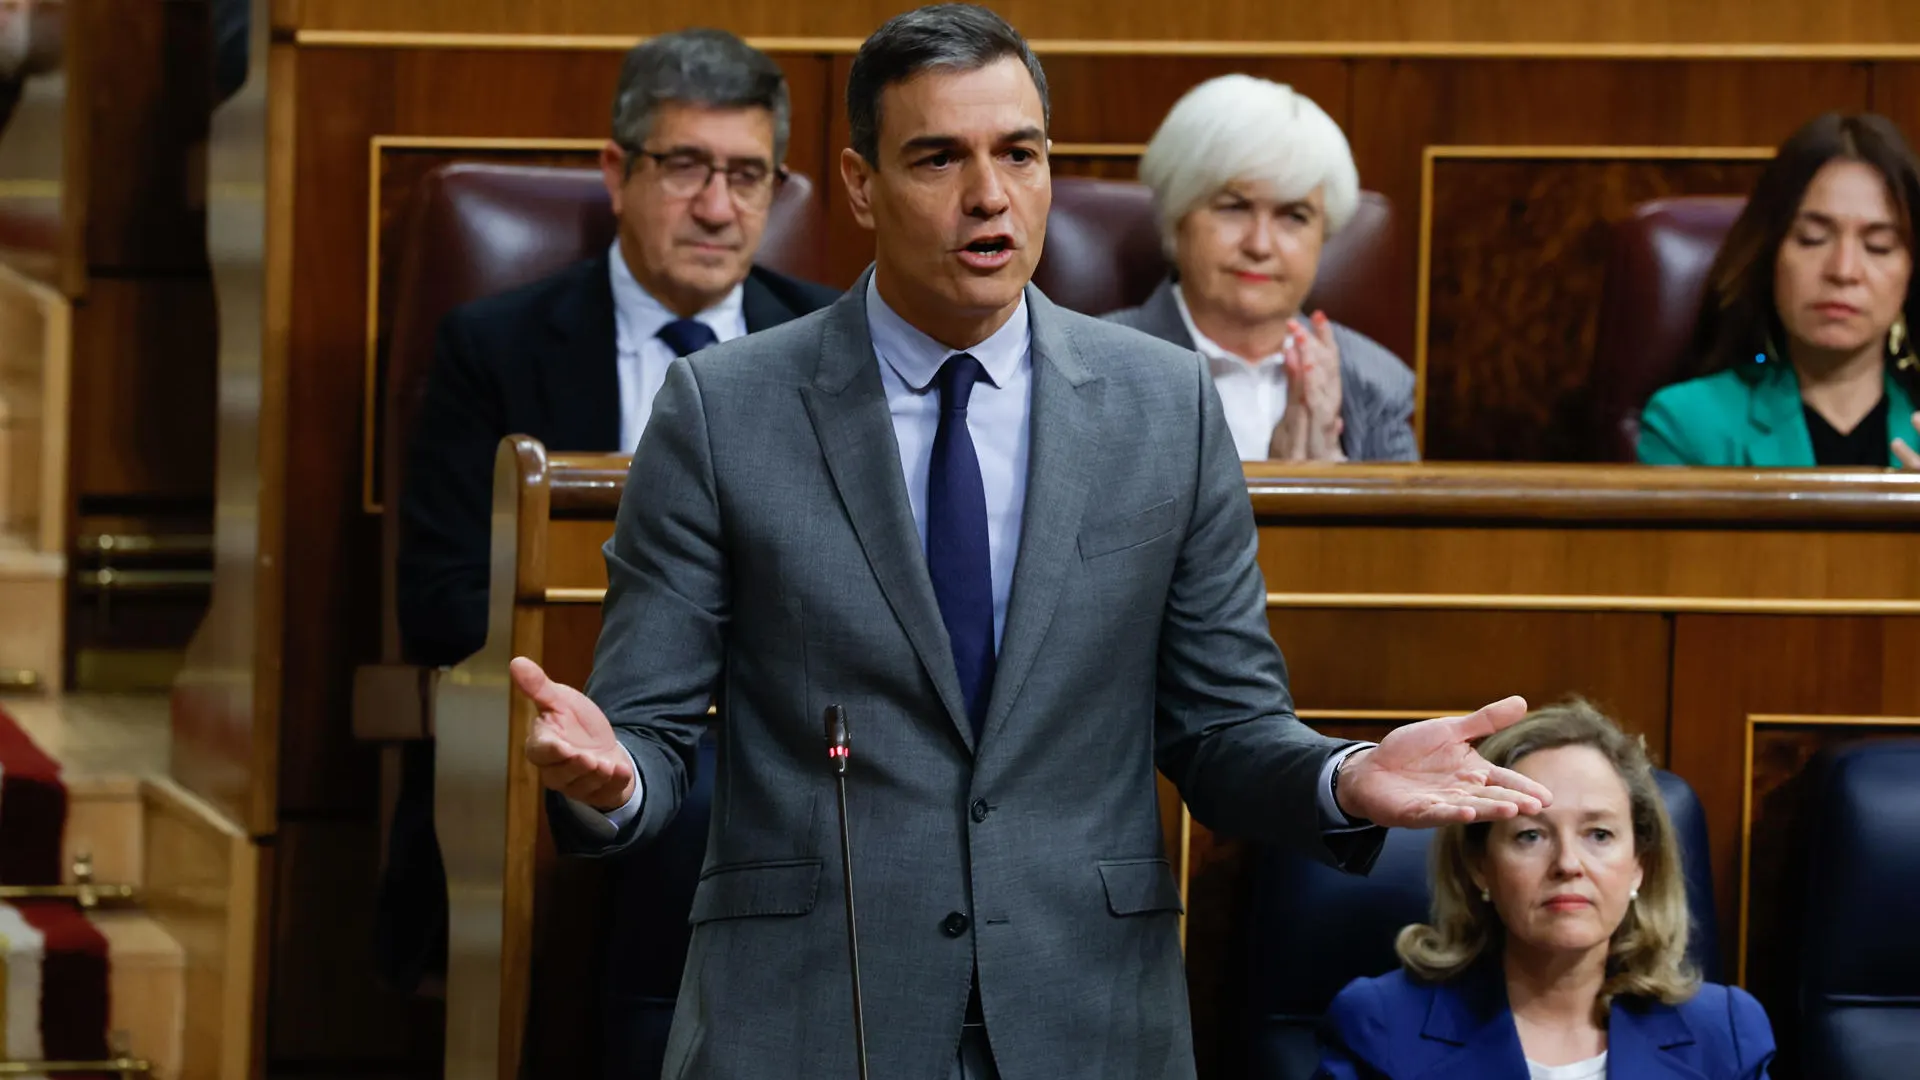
1376, 389
765, 554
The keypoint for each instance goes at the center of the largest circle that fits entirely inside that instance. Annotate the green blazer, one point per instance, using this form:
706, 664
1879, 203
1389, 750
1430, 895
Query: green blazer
1722, 419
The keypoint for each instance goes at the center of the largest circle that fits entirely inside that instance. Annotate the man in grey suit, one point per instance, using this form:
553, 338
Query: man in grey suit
1250, 178
1015, 544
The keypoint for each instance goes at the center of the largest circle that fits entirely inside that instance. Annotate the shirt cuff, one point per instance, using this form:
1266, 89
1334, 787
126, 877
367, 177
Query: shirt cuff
606, 824
1332, 818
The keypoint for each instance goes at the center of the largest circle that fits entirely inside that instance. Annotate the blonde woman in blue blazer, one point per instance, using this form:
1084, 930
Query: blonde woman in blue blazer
1558, 942
1803, 333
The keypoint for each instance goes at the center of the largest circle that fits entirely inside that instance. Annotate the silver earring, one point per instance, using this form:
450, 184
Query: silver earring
1632, 896
1485, 895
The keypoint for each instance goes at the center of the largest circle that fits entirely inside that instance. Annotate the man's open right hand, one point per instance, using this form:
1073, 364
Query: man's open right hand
571, 742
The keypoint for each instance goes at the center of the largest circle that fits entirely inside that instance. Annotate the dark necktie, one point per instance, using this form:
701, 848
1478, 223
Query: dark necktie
685, 336
957, 556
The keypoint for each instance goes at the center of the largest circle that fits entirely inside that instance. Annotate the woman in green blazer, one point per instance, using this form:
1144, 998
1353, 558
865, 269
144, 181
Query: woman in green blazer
1803, 330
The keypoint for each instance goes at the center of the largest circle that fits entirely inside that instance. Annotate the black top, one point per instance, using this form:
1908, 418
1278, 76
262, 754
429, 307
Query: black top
1866, 444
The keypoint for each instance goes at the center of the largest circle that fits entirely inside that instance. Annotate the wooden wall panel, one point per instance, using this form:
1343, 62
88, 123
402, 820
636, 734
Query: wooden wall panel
1896, 95
1790, 22
1728, 669
1433, 663
146, 99
1518, 258
1401, 107
143, 396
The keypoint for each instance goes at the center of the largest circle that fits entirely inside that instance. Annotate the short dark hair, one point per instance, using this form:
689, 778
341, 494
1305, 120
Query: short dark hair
1738, 319
939, 37
698, 67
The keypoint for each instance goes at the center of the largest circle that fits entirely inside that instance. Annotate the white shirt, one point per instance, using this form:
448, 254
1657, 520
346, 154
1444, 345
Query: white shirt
642, 356
1594, 1068
1252, 393
999, 418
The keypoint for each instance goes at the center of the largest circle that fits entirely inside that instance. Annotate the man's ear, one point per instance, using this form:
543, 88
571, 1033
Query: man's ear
613, 173
857, 174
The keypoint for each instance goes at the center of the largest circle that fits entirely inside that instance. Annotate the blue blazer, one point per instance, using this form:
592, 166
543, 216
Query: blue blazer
1395, 1027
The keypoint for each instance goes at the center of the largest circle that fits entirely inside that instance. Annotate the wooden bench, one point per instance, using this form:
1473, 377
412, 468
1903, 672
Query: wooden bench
1739, 620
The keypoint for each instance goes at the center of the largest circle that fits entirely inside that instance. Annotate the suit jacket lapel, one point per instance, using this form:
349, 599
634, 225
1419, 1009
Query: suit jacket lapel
760, 306
580, 373
1060, 473
848, 406
1161, 315
1641, 1040
1780, 428
1471, 1014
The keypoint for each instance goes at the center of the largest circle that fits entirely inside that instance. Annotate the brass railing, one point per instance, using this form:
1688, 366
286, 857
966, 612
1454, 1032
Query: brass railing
82, 890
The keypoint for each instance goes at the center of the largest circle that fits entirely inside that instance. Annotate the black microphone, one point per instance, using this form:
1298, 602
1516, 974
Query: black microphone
839, 750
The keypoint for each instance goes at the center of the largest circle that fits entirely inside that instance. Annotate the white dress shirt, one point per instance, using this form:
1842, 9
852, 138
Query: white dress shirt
1252, 392
999, 417
643, 357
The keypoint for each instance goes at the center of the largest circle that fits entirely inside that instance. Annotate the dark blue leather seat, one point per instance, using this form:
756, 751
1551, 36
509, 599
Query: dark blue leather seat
1314, 929
1860, 941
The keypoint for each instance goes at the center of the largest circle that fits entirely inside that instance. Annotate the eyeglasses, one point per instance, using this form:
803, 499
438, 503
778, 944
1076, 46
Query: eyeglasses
683, 174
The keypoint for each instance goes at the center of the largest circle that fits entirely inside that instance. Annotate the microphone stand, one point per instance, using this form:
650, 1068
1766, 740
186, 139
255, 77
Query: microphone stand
839, 751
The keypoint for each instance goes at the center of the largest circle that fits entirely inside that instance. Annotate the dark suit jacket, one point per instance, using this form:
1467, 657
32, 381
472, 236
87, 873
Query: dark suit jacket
538, 361
1395, 1027
1031, 853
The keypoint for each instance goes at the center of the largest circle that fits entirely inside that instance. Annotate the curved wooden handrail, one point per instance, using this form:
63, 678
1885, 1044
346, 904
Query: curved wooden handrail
1614, 494
589, 485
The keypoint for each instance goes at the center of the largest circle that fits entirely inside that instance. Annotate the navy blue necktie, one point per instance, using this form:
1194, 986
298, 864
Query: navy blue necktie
957, 556
685, 336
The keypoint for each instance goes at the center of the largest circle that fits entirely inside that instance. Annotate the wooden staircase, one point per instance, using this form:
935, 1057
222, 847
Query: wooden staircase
147, 874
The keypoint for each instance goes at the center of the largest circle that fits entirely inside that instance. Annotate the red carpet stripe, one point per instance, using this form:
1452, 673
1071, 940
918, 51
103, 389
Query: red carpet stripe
33, 810
74, 1006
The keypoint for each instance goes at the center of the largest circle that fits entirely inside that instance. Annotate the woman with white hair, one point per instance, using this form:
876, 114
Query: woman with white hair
1249, 180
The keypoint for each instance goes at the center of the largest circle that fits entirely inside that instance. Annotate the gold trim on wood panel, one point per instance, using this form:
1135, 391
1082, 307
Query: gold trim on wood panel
377, 145
1754, 720
1694, 605
1422, 309
1100, 150
1575, 602
1448, 50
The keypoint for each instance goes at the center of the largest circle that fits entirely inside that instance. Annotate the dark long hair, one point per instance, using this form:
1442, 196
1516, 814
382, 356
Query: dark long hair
1738, 320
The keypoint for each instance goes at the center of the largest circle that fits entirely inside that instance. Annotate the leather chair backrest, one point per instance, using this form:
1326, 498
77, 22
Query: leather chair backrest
1860, 941
477, 230
1103, 253
1650, 299
1312, 930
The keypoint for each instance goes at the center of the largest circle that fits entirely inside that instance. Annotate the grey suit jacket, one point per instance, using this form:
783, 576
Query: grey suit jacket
1376, 389
765, 554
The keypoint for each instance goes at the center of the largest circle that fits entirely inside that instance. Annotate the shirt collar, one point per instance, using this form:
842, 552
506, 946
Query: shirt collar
638, 316
1216, 354
917, 358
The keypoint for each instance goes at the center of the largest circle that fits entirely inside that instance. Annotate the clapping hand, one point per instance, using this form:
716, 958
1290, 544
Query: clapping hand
572, 743
1310, 429
1427, 774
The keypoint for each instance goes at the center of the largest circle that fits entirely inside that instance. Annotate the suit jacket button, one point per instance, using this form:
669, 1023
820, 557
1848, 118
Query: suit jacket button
955, 924
980, 809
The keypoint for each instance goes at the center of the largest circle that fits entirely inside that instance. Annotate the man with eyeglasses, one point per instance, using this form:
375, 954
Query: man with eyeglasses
700, 128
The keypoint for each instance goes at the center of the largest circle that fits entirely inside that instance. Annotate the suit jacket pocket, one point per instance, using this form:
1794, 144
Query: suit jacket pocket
745, 890
1133, 530
1140, 886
